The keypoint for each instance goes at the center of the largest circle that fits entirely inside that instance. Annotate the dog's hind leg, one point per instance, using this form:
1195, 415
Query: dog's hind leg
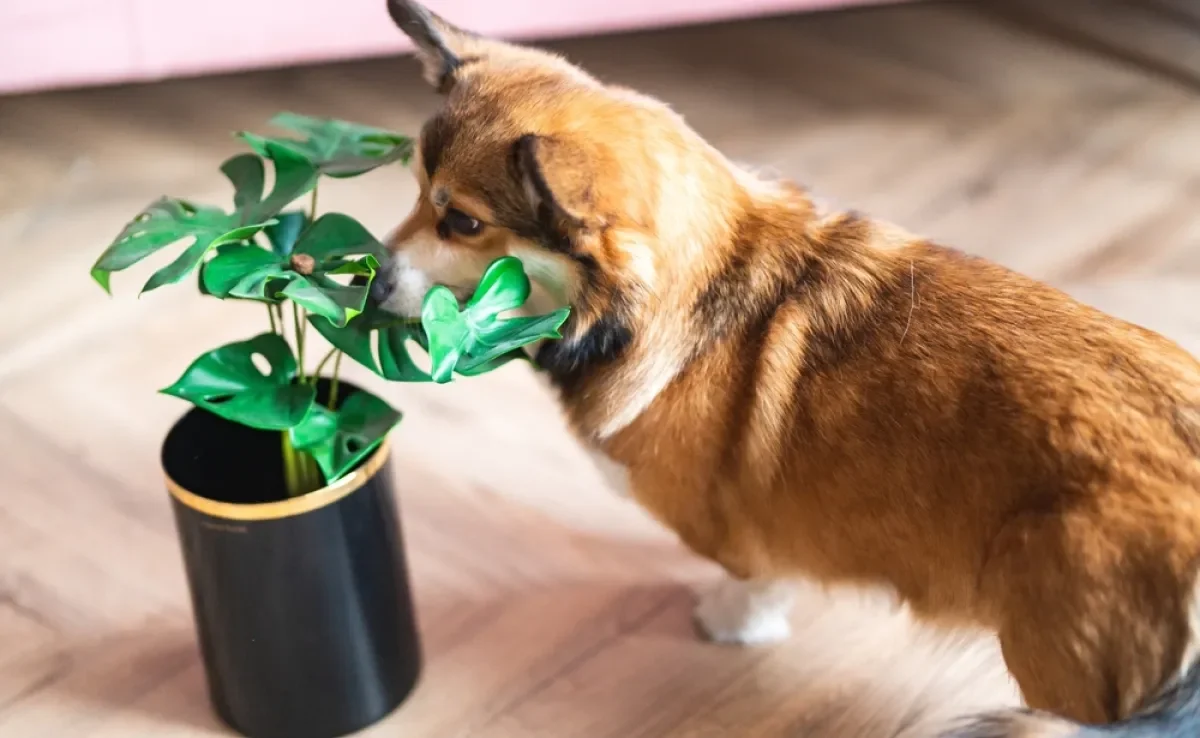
1093, 619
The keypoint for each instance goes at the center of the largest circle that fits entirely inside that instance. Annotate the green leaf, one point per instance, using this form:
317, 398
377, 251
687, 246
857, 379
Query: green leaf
354, 339
231, 265
503, 286
164, 222
335, 147
171, 220
367, 266
245, 172
193, 255
447, 330
200, 283
226, 382
323, 296
295, 175
263, 284
373, 329
339, 440
283, 234
477, 339
501, 343
395, 361
476, 368
334, 235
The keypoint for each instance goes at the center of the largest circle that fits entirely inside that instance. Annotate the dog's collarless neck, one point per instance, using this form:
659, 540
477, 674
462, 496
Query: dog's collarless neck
572, 360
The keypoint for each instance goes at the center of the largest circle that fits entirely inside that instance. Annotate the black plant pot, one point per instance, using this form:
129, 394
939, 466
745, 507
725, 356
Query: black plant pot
302, 606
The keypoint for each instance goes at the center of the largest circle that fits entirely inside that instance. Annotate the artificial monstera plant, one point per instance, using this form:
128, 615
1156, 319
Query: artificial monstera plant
311, 269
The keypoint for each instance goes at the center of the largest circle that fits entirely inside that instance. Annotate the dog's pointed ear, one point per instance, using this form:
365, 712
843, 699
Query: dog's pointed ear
557, 177
440, 45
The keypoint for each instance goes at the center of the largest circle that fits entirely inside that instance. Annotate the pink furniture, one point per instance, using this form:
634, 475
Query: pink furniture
67, 43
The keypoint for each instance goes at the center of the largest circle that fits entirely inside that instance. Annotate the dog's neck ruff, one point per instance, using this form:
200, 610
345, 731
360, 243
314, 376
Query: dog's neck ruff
611, 372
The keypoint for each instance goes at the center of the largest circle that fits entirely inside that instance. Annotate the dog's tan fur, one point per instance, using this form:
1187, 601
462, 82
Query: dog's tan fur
798, 394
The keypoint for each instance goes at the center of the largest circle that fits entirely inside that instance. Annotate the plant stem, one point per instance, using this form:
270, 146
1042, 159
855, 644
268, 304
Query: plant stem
302, 325
302, 473
291, 476
321, 365
300, 470
271, 315
298, 327
333, 383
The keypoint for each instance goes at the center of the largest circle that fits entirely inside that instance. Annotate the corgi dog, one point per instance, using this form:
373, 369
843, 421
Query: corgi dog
807, 394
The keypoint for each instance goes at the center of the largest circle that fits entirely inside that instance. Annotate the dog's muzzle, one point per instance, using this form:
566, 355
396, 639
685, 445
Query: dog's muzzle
381, 289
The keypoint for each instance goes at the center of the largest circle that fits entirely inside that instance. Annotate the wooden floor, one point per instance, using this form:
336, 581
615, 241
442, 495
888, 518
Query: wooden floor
548, 607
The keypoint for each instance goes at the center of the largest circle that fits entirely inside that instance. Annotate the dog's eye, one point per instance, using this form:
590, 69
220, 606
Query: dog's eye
459, 222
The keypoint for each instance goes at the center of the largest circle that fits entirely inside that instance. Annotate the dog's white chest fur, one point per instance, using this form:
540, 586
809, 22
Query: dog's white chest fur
614, 474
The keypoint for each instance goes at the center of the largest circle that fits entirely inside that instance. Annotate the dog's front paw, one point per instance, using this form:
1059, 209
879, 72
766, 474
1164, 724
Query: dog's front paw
744, 613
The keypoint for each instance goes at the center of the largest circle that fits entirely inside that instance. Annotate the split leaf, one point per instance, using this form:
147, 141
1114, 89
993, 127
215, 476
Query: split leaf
395, 361
340, 439
478, 338
355, 338
245, 172
447, 330
171, 220
335, 147
504, 340
294, 176
162, 223
377, 332
226, 382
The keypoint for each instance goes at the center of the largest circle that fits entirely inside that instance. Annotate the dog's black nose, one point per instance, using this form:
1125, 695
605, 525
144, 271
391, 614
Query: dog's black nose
380, 289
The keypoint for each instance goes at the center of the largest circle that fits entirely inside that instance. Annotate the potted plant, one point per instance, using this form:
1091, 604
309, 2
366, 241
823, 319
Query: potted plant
279, 474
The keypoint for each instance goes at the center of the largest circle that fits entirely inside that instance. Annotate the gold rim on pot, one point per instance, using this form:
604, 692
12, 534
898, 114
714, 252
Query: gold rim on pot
283, 508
